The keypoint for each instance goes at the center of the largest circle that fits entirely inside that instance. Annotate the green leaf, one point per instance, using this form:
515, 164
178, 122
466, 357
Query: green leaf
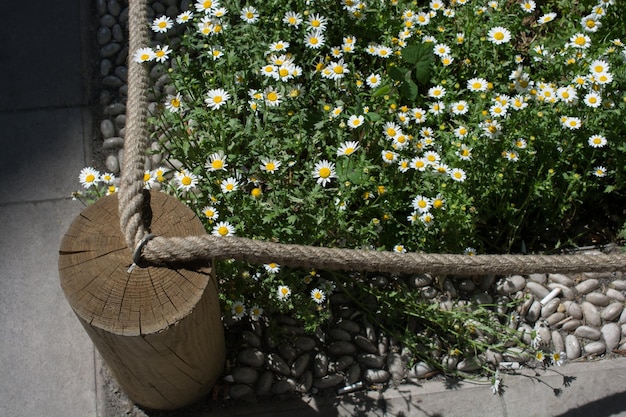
421, 57
399, 73
385, 89
409, 90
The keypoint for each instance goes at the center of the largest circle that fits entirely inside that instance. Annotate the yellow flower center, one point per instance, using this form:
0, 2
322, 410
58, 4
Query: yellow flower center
316, 23
391, 131
270, 166
272, 96
175, 102
144, 57
476, 85
186, 180
162, 24
146, 177
256, 192
590, 24
338, 69
90, 178
207, 4
292, 20
217, 99
249, 15
230, 187
498, 36
222, 230
324, 172
217, 164
283, 72
349, 151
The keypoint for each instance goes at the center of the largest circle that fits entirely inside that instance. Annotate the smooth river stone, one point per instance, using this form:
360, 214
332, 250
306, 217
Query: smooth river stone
591, 314
245, 375
329, 381
276, 364
574, 310
534, 312
376, 376
611, 333
598, 299
615, 294
252, 357
550, 308
300, 364
561, 279
588, 332
619, 285
557, 341
241, 392
572, 347
538, 290
510, 285
571, 325
555, 318
612, 311
538, 278
587, 286
596, 348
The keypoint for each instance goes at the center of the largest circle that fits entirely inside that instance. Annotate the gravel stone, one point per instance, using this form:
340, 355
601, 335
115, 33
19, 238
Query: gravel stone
340, 348
304, 343
264, 386
587, 286
114, 109
612, 311
376, 376
370, 360
300, 364
118, 33
103, 35
305, 382
615, 294
538, 290
252, 357
534, 312
420, 370
112, 82
571, 325
284, 386
114, 8
288, 352
550, 308
555, 318
429, 292
245, 375
468, 365
510, 285
595, 348
588, 332
113, 143
396, 366
574, 310
619, 285
112, 164
349, 326
538, 278
365, 344
598, 299
107, 128
101, 7
339, 334
328, 381
611, 333
353, 374
557, 341
110, 49
420, 281
277, 364
561, 279
107, 20
591, 314
482, 298
320, 365
572, 347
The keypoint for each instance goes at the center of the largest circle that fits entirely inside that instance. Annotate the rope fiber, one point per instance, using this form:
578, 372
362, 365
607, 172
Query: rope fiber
193, 249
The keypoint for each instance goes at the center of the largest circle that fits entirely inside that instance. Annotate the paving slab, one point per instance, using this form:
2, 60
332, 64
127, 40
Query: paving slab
42, 154
47, 359
41, 58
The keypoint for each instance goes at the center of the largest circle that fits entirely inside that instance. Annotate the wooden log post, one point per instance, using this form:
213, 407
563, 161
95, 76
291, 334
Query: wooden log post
159, 330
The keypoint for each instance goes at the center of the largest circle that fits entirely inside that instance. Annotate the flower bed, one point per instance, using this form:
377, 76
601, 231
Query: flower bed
469, 126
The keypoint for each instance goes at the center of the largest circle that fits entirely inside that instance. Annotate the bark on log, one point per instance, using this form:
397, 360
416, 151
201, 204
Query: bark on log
158, 329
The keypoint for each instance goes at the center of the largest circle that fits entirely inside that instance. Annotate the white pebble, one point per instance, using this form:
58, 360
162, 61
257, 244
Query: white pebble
591, 314
587, 286
597, 299
537, 290
561, 279
611, 333
572, 347
588, 332
557, 341
615, 294
612, 311
595, 348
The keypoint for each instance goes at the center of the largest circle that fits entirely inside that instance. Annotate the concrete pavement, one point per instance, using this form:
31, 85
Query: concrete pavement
48, 366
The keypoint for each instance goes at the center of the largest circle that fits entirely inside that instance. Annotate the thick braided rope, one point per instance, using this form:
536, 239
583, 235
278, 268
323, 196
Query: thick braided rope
171, 251
162, 251
131, 184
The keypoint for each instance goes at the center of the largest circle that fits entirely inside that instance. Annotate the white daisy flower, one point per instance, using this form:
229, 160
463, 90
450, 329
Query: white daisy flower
89, 176
499, 35
457, 174
184, 17
347, 148
597, 141
293, 19
249, 14
210, 212
186, 180
318, 295
272, 267
373, 80
216, 98
283, 292
144, 55
324, 171
162, 24
314, 39
270, 165
229, 185
592, 99
355, 121
238, 309
223, 229
216, 162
